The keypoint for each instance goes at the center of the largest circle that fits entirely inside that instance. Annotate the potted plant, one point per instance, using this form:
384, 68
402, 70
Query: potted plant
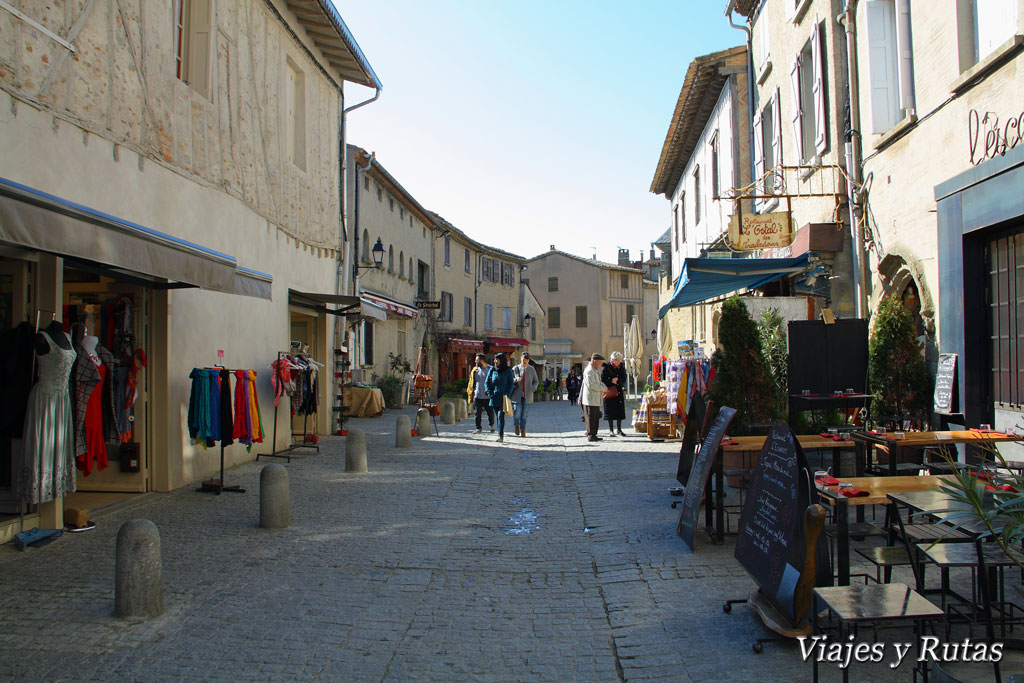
742, 380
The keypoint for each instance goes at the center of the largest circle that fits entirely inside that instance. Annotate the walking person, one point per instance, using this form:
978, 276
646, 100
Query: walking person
558, 384
613, 375
572, 386
499, 385
477, 391
592, 394
525, 383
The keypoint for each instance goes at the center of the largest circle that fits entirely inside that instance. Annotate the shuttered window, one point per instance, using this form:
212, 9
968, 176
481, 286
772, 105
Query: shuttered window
1006, 318
882, 65
554, 317
820, 96
581, 316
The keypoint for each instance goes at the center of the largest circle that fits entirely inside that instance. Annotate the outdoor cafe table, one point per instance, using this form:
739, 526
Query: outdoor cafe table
919, 440
879, 490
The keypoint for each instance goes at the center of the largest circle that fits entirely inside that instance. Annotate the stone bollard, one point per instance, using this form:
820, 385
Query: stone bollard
448, 413
422, 422
138, 584
355, 451
275, 500
403, 432
462, 410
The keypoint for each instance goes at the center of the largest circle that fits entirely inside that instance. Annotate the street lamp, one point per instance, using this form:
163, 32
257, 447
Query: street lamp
526, 321
378, 257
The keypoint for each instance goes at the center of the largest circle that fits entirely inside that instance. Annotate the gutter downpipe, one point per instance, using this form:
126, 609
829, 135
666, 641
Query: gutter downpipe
848, 19
750, 87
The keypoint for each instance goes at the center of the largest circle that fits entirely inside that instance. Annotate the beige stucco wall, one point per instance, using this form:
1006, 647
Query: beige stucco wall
904, 173
113, 129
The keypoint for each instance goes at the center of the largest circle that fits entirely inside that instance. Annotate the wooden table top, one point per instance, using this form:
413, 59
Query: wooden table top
809, 442
879, 488
938, 438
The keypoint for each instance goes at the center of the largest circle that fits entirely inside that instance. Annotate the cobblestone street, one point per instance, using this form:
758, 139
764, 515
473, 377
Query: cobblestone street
542, 558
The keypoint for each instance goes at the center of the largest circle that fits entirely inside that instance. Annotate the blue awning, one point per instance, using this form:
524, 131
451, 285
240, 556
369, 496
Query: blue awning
709, 278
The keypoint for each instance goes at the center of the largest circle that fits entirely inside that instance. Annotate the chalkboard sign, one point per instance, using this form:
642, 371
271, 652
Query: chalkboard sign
945, 384
691, 437
770, 544
698, 480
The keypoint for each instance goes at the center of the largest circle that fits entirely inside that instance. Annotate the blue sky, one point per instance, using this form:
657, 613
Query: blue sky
529, 123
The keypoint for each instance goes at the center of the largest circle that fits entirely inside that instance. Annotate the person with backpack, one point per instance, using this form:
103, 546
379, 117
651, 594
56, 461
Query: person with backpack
499, 385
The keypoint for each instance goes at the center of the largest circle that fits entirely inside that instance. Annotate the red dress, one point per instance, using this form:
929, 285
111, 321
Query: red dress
94, 440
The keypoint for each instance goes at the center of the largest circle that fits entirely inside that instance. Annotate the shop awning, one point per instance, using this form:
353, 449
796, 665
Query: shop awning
390, 305
709, 278
508, 341
33, 219
368, 309
465, 343
319, 302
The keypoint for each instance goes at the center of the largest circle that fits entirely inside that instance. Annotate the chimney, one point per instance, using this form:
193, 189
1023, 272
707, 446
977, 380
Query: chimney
552, 247
623, 257
652, 254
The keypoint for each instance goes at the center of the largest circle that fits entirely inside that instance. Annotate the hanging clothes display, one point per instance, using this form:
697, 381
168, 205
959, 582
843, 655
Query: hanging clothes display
48, 432
92, 398
248, 427
215, 413
308, 401
298, 377
682, 380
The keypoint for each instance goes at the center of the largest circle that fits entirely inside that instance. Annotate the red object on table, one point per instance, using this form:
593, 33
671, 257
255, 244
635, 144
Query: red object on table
853, 493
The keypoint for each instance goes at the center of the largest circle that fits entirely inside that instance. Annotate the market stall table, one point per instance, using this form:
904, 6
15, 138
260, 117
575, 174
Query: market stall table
363, 402
867, 441
878, 490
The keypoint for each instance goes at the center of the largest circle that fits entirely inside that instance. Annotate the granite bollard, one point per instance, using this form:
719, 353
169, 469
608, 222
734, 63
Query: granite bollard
448, 413
422, 422
138, 584
355, 451
275, 499
403, 432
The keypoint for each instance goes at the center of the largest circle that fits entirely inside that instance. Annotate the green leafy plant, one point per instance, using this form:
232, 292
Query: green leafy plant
772, 332
900, 380
743, 380
392, 383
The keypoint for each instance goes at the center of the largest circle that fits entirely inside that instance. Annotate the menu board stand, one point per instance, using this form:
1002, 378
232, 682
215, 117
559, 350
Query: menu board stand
698, 483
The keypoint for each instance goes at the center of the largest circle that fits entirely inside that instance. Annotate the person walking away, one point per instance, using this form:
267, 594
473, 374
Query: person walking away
572, 386
499, 385
614, 375
525, 383
477, 391
592, 394
558, 384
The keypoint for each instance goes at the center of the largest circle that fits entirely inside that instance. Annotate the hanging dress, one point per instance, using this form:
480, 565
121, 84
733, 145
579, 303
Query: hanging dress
49, 438
95, 443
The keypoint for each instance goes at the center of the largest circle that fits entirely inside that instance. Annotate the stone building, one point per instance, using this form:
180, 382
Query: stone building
587, 303
383, 212
940, 93
171, 156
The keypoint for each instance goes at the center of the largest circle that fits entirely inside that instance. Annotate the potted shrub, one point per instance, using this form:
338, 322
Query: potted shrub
742, 378
900, 381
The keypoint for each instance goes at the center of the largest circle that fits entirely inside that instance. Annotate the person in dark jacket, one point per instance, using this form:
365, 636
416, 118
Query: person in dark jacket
572, 386
614, 375
499, 385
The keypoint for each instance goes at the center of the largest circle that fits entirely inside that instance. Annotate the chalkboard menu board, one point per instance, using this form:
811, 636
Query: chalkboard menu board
691, 437
945, 384
699, 474
770, 544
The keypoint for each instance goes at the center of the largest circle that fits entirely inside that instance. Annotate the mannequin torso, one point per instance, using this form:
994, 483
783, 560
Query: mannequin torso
89, 343
55, 331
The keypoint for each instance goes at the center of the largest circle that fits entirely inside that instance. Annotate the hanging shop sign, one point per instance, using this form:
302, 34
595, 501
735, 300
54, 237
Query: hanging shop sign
436, 305
989, 137
760, 230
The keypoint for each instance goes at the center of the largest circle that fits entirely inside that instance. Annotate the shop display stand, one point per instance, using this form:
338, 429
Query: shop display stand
286, 452
217, 485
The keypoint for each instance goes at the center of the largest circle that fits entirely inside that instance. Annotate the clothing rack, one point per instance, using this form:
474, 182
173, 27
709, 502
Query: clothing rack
212, 485
286, 452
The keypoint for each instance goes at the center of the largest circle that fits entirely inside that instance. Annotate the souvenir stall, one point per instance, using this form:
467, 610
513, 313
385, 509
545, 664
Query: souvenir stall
663, 411
296, 375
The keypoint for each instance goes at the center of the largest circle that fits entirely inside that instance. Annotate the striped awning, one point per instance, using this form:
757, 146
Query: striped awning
390, 305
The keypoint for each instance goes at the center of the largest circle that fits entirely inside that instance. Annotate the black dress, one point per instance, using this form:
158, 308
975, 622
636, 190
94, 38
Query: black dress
614, 408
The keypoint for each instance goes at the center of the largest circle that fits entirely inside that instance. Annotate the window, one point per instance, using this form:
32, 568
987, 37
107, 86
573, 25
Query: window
630, 312
533, 328
1005, 259
715, 189
391, 259
506, 319
581, 316
401, 212
468, 268
193, 26
467, 312
411, 271
367, 335
682, 220
380, 195
366, 247
391, 202
554, 317
488, 317
624, 280
552, 284
447, 250
696, 195
764, 44
296, 113
487, 270
446, 315
366, 183
423, 281
810, 103
401, 265
767, 148
995, 22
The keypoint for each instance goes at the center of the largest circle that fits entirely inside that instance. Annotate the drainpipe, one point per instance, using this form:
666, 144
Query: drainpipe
355, 240
750, 84
848, 19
